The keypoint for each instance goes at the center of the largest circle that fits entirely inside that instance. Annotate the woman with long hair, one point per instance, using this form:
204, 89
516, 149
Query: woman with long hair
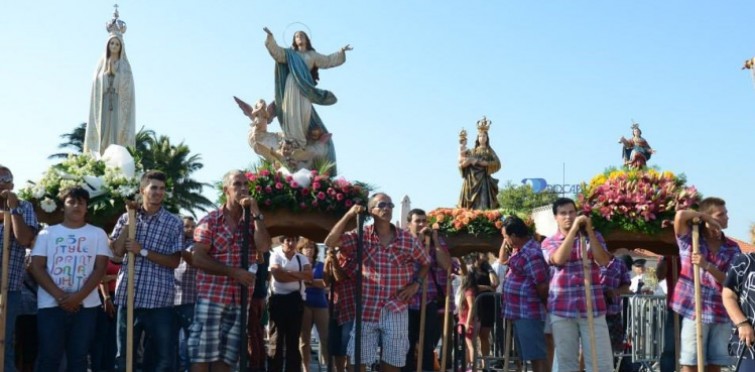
315, 306
467, 295
296, 75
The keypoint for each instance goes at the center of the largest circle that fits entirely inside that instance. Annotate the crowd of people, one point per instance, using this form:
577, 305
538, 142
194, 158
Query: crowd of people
562, 296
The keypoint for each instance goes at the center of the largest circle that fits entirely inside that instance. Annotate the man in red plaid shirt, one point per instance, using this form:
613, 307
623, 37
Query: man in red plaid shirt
389, 281
716, 254
566, 295
215, 334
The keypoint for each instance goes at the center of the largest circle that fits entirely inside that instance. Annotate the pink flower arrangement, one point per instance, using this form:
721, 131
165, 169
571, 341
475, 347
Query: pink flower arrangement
274, 190
636, 200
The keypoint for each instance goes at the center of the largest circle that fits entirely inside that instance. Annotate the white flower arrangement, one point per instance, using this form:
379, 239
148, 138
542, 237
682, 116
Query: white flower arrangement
104, 178
48, 205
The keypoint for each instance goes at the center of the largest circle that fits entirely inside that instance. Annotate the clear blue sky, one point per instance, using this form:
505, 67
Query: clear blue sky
560, 80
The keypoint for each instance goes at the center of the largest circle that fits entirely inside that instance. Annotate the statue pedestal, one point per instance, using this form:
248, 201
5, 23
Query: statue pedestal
311, 225
107, 223
53, 218
463, 244
663, 243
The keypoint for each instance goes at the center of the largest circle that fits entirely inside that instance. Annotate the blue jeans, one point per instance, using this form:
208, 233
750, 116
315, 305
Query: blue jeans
14, 307
158, 326
103, 346
63, 332
184, 316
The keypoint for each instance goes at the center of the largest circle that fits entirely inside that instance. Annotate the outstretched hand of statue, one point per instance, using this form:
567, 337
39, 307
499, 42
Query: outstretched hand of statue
267, 31
347, 48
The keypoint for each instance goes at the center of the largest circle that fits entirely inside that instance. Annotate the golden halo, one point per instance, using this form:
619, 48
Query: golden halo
288, 29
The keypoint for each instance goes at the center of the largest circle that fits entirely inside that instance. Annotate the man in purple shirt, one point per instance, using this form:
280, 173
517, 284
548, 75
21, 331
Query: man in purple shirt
714, 259
525, 291
566, 295
615, 280
440, 260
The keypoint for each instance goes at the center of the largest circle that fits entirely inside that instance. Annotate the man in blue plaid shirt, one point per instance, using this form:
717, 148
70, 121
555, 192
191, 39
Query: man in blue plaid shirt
25, 227
157, 251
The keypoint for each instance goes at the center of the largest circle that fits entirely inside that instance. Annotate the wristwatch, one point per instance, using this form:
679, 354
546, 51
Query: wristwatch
16, 211
259, 217
143, 252
419, 281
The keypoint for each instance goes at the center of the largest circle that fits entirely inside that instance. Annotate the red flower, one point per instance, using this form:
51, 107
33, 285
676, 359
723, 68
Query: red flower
321, 195
278, 185
258, 188
265, 172
268, 189
268, 202
315, 185
349, 203
293, 184
339, 196
305, 191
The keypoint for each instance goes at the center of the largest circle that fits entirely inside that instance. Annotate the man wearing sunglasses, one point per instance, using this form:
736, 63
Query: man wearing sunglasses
25, 226
390, 279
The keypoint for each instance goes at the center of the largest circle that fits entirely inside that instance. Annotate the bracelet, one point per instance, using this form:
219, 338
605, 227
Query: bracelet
741, 323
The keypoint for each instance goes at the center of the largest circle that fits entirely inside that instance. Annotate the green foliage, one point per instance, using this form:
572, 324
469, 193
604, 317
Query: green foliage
522, 199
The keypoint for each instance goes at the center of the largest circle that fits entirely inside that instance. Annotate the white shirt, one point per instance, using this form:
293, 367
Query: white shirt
500, 270
635, 282
70, 257
278, 258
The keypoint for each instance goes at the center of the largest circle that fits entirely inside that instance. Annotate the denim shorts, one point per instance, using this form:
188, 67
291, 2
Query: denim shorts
715, 343
338, 337
530, 339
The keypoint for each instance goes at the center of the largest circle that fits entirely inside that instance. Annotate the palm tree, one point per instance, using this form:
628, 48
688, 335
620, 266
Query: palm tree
177, 162
74, 140
155, 152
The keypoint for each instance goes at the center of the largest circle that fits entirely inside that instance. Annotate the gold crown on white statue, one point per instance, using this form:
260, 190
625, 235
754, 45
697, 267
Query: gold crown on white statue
463, 135
635, 125
115, 25
483, 124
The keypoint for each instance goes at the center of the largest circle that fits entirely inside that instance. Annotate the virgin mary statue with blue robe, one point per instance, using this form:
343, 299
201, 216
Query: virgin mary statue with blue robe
296, 75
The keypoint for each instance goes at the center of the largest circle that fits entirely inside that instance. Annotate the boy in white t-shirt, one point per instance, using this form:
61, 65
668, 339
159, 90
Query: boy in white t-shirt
68, 262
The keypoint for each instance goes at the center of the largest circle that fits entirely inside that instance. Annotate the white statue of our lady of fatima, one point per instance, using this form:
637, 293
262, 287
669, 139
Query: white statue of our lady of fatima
111, 108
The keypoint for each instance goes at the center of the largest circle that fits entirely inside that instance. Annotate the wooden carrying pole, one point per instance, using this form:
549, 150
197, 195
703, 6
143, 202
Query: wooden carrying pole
507, 344
698, 296
446, 320
422, 319
7, 232
130, 293
587, 271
